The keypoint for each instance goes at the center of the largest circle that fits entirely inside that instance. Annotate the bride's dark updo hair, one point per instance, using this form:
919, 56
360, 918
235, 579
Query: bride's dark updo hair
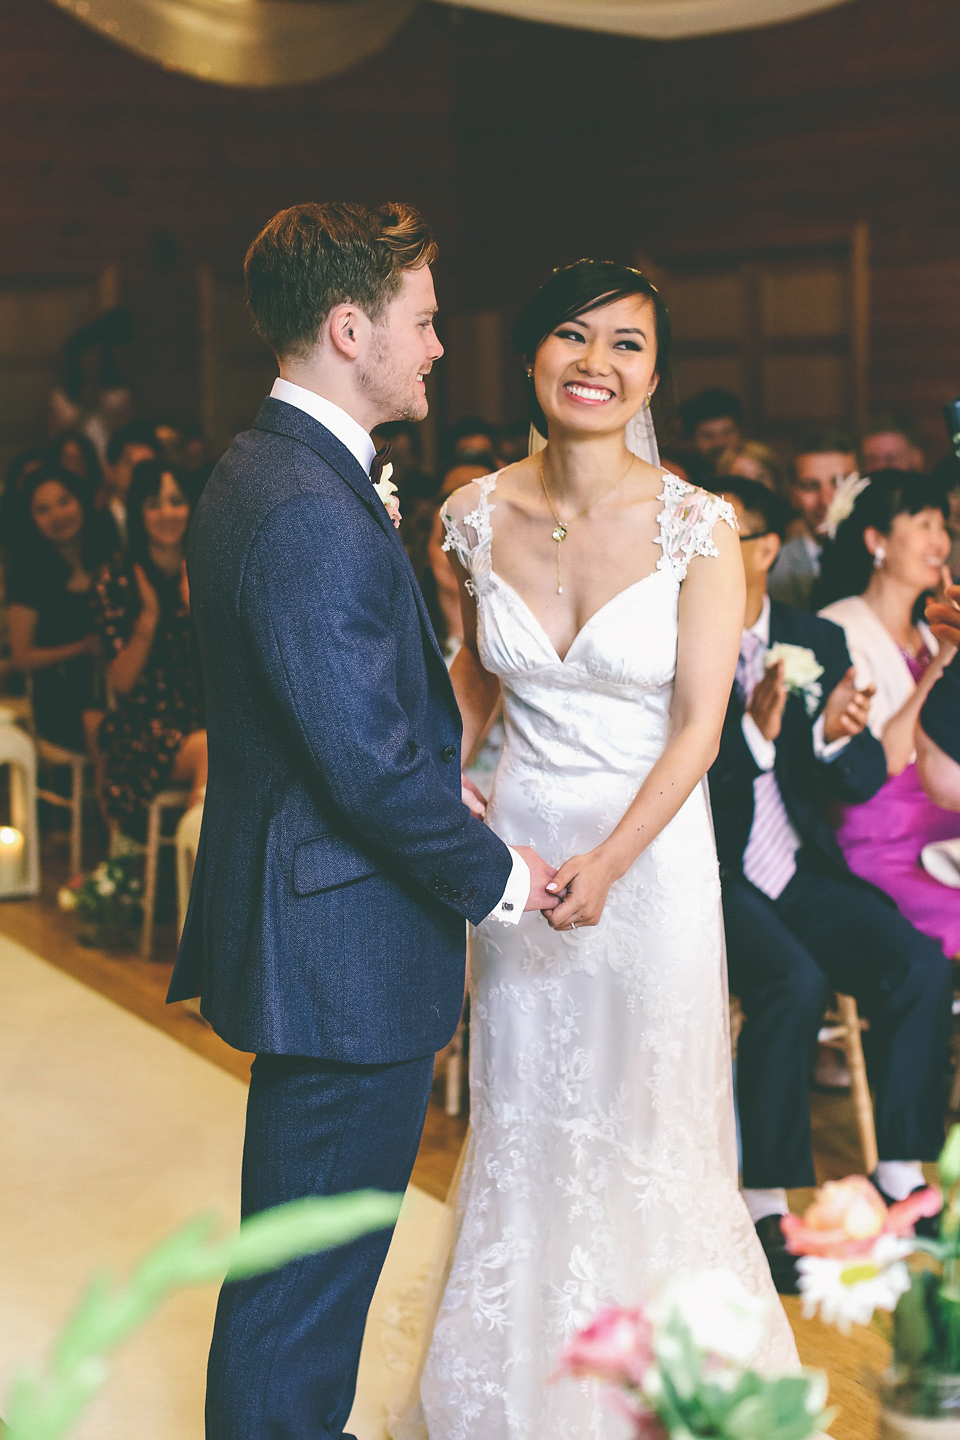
575, 290
846, 564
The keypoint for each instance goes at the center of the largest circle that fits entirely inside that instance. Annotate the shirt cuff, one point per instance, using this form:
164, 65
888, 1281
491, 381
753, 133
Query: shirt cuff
764, 751
517, 893
827, 750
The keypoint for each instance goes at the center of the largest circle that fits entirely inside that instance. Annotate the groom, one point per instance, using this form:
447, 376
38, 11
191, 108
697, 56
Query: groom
337, 861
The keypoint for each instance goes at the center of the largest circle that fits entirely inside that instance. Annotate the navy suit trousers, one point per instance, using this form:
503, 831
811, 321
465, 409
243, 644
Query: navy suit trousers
286, 1346
785, 956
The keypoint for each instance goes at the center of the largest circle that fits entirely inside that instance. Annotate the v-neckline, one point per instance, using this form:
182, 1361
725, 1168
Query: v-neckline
562, 659
658, 569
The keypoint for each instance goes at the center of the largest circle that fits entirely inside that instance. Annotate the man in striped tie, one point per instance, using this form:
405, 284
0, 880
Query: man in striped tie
798, 923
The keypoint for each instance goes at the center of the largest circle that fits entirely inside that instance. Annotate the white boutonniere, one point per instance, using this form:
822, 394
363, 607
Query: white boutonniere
801, 672
388, 493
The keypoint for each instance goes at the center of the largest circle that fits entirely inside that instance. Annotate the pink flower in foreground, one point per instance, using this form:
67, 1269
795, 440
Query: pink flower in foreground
848, 1217
617, 1347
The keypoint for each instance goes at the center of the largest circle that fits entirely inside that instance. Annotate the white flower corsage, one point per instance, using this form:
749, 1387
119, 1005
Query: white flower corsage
388, 493
801, 672
843, 502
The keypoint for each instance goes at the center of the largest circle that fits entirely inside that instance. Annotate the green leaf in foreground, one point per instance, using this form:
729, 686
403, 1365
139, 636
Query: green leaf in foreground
44, 1402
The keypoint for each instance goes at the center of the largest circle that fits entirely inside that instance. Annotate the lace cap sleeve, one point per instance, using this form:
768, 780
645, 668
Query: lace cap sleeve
473, 553
686, 523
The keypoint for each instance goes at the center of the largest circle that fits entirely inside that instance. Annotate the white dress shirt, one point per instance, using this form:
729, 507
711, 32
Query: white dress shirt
347, 430
350, 433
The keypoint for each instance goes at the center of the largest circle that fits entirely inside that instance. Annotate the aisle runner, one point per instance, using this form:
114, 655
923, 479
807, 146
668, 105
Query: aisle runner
112, 1134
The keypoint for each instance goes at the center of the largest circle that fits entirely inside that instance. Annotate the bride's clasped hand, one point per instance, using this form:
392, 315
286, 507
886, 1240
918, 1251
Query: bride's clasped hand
582, 884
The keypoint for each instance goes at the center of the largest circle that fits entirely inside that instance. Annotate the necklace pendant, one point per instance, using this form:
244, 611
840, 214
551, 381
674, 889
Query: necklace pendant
560, 533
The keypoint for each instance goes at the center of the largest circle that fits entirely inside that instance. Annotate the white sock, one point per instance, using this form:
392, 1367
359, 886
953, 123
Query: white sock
764, 1202
897, 1178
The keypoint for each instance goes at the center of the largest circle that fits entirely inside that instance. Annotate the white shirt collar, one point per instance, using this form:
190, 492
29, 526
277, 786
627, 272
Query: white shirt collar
762, 627
331, 417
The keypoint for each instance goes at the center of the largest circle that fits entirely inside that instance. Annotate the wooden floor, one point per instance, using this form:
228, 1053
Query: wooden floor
140, 986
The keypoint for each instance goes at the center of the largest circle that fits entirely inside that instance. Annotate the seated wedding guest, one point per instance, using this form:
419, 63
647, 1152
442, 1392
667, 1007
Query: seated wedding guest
514, 442
14, 519
754, 462
471, 439
155, 736
52, 635
93, 396
888, 552
463, 472
798, 923
713, 421
75, 452
127, 447
890, 443
413, 482
946, 475
677, 462
938, 735
821, 462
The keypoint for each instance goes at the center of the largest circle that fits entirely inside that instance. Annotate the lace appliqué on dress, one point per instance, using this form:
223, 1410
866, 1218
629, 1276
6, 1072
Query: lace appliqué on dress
686, 523
475, 558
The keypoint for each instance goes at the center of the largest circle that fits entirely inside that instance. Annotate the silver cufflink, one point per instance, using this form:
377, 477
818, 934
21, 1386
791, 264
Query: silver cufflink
507, 905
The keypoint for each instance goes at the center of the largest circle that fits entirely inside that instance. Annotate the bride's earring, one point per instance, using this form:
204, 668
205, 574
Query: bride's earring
646, 403
879, 555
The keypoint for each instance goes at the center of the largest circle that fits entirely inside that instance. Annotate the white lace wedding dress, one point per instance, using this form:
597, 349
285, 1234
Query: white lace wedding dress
602, 1151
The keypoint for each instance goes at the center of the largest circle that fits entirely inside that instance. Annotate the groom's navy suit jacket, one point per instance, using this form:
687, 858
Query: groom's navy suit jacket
806, 784
337, 863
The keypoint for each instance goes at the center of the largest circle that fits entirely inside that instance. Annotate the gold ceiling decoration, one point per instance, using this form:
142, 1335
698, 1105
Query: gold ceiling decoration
267, 43
262, 43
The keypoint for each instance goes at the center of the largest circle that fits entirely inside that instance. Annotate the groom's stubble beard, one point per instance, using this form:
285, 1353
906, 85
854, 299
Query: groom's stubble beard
380, 382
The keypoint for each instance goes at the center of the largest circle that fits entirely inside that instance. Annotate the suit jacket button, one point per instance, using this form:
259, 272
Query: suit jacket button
448, 753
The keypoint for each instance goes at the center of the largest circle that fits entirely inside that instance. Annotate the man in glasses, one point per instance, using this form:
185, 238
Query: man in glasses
798, 923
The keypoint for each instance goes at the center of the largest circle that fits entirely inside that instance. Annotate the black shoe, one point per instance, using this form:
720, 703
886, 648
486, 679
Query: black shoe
927, 1227
783, 1265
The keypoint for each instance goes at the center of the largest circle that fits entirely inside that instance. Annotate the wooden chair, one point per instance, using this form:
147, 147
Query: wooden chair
187, 841
453, 1092
843, 1023
164, 800
51, 756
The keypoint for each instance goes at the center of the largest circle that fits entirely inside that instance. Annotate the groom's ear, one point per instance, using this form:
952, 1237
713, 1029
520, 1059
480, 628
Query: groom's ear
345, 327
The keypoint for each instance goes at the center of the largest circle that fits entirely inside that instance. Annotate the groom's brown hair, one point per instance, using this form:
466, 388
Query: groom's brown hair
312, 257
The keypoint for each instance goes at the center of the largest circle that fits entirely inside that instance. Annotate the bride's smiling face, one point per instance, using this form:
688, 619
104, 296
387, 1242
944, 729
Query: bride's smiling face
595, 372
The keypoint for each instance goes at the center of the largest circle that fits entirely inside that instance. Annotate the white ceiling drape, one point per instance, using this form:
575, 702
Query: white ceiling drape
288, 42
655, 19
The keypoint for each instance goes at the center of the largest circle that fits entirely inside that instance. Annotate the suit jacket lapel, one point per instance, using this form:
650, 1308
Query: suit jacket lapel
282, 419
279, 418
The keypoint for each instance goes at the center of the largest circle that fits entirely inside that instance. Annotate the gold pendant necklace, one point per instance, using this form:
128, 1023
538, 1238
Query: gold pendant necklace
561, 528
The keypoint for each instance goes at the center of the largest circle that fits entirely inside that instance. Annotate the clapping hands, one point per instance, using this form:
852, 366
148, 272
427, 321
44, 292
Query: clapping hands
845, 713
943, 615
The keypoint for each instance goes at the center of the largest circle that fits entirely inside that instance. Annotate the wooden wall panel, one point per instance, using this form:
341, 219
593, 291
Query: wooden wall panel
527, 146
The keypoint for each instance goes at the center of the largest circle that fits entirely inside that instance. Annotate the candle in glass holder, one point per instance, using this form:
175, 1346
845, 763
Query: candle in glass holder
11, 860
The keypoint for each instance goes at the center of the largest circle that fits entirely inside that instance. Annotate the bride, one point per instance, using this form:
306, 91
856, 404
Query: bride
605, 598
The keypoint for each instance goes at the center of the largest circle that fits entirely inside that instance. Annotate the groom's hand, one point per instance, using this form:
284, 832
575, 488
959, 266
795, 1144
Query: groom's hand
541, 874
